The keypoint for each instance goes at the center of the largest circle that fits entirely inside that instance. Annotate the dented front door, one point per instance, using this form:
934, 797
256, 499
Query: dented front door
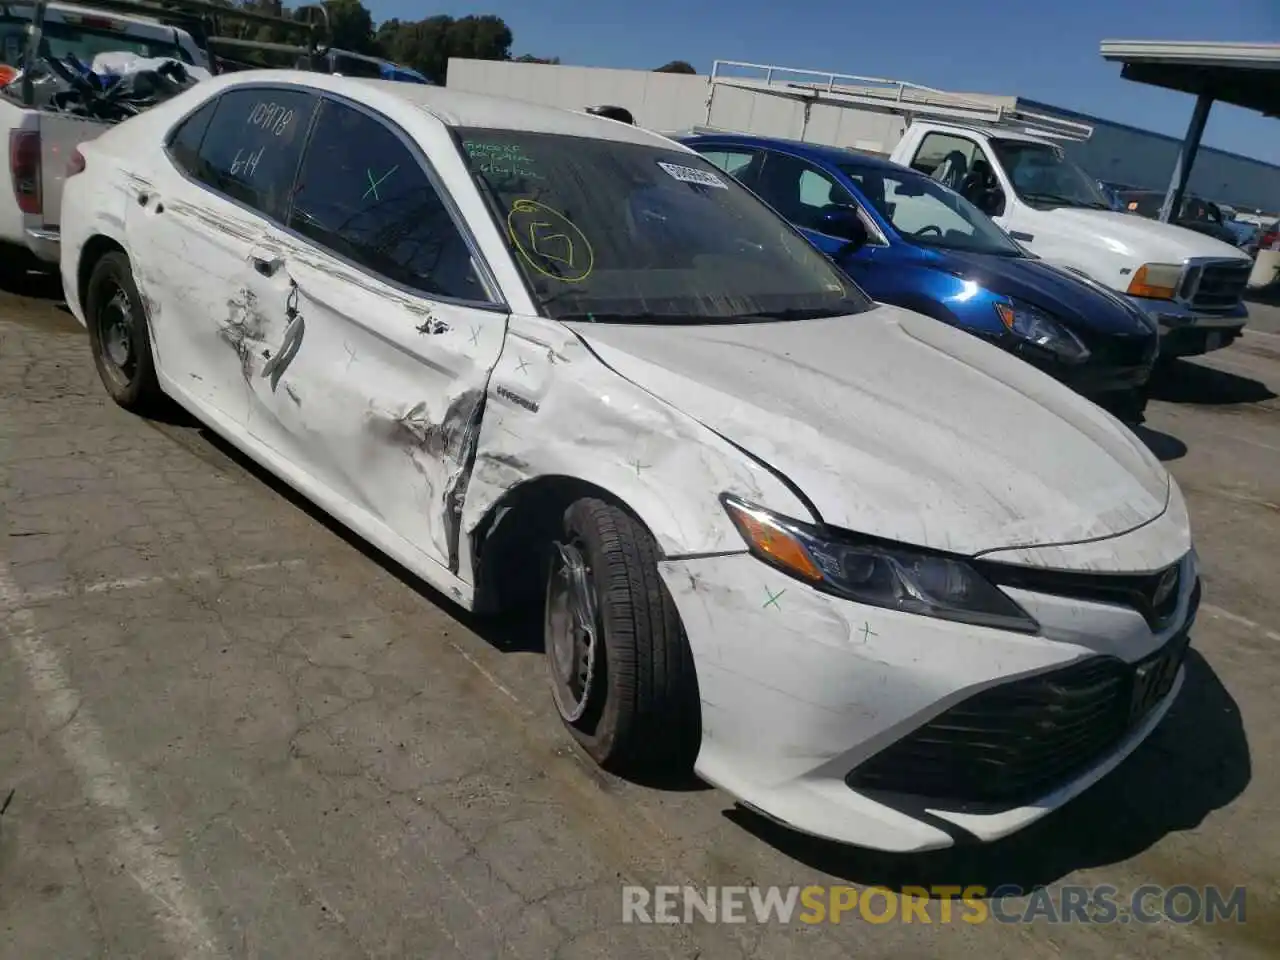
374, 392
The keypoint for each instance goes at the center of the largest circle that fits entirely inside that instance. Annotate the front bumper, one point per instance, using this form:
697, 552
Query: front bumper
801, 691
1187, 333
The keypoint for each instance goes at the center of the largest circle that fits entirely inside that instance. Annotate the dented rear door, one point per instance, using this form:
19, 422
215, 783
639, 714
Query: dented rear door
388, 329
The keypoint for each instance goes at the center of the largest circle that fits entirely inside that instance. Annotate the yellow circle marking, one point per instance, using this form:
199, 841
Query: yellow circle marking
551, 237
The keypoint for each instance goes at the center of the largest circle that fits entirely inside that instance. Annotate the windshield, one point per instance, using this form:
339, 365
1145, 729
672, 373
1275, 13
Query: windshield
612, 231
925, 212
84, 42
1041, 174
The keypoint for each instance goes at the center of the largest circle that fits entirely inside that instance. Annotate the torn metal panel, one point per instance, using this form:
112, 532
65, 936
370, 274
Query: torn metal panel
389, 415
901, 427
554, 410
799, 687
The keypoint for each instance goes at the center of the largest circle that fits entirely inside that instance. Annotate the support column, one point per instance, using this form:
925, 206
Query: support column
1186, 158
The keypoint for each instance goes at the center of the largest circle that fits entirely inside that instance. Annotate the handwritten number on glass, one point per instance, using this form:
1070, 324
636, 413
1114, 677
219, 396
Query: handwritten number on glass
271, 117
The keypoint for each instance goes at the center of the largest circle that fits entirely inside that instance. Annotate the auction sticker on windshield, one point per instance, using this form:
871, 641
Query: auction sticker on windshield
693, 175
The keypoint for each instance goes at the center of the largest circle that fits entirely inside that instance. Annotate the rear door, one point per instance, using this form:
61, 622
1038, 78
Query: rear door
392, 324
192, 228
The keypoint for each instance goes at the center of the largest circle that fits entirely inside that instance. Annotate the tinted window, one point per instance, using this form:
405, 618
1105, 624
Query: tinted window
800, 191
363, 194
617, 231
251, 149
730, 161
184, 144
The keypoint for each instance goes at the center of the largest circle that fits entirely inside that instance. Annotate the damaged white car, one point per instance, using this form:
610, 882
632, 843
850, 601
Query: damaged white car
878, 580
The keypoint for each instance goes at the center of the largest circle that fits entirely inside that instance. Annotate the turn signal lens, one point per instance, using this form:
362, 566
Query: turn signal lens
772, 540
1156, 281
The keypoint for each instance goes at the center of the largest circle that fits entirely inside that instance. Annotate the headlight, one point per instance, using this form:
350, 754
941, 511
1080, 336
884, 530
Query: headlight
1035, 326
1156, 281
896, 577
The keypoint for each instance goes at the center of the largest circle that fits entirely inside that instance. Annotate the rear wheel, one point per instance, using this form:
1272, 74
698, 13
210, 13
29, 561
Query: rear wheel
118, 335
620, 665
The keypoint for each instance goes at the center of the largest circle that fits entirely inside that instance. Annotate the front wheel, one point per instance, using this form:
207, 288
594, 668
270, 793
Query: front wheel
118, 335
621, 670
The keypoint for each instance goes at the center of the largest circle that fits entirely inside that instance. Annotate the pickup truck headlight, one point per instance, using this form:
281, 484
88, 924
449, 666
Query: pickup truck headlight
1037, 327
1156, 281
896, 577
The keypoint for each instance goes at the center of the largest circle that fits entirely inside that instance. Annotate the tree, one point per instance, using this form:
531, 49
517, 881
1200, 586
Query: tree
530, 58
676, 66
426, 45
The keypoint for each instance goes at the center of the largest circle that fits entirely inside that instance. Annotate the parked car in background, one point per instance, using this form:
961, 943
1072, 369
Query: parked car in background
834, 555
1191, 284
910, 241
1112, 190
1197, 213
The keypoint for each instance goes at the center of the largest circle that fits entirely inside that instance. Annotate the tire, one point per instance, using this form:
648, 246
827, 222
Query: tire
118, 335
629, 696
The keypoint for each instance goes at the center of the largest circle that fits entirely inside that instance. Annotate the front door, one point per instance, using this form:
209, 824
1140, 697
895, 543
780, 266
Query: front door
388, 328
193, 226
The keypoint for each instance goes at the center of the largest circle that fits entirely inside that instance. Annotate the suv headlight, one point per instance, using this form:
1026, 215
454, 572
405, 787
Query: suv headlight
901, 578
1037, 327
1156, 281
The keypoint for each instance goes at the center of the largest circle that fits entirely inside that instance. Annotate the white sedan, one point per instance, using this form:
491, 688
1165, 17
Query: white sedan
878, 580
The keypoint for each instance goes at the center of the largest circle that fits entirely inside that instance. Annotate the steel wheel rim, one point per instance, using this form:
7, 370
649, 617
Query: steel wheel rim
572, 633
115, 335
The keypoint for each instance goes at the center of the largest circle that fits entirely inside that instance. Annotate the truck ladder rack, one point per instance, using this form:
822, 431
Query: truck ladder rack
896, 97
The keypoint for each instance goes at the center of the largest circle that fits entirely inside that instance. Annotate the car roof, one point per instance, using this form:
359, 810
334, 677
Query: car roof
814, 151
455, 108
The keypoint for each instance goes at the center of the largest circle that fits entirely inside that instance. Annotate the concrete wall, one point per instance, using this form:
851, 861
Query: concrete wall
671, 102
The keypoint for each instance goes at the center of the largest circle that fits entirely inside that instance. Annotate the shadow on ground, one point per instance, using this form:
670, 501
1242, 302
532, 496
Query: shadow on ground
33, 284
1163, 445
1196, 762
517, 632
1181, 381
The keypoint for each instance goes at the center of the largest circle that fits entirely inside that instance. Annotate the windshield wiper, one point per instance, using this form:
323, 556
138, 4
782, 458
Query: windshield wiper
699, 318
1066, 201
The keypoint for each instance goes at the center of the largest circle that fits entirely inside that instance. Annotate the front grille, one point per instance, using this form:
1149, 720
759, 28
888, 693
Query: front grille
1217, 286
1120, 350
1010, 745
1154, 595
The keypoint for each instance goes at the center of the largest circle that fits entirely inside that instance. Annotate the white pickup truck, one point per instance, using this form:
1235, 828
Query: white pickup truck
41, 142
1191, 284
1010, 162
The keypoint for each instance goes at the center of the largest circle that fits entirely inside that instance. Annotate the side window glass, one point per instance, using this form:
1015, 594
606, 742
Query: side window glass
364, 195
252, 146
732, 162
800, 191
944, 157
184, 144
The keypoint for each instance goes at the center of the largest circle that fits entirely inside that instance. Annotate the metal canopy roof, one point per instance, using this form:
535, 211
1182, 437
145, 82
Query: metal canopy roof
1244, 74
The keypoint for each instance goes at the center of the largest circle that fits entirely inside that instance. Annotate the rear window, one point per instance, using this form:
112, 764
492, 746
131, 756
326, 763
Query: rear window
83, 41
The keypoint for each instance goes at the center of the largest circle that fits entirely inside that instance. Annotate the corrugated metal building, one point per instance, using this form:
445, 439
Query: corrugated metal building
674, 102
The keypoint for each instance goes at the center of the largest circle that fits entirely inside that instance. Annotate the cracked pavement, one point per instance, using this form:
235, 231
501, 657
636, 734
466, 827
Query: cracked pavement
232, 731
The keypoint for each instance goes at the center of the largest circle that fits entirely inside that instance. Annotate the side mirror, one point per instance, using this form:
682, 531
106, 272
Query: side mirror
844, 223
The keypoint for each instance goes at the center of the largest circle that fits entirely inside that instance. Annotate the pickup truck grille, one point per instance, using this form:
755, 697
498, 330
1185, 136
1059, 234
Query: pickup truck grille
1216, 286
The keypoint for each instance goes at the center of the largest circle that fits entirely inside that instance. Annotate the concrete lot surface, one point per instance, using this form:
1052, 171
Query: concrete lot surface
232, 732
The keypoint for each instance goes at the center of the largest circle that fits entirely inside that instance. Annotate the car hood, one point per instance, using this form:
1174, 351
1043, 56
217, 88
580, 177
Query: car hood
1146, 241
898, 426
1077, 301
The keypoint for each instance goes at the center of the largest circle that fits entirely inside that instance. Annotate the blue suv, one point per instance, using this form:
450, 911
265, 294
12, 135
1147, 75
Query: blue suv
908, 240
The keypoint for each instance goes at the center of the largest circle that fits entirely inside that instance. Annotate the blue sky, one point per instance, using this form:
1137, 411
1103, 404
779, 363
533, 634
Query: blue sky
1042, 51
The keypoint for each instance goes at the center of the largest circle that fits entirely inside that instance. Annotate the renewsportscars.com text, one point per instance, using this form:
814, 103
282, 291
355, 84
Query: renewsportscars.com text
1099, 904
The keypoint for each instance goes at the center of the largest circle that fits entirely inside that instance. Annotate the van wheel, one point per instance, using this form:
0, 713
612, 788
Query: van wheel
118, 335
620, 665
